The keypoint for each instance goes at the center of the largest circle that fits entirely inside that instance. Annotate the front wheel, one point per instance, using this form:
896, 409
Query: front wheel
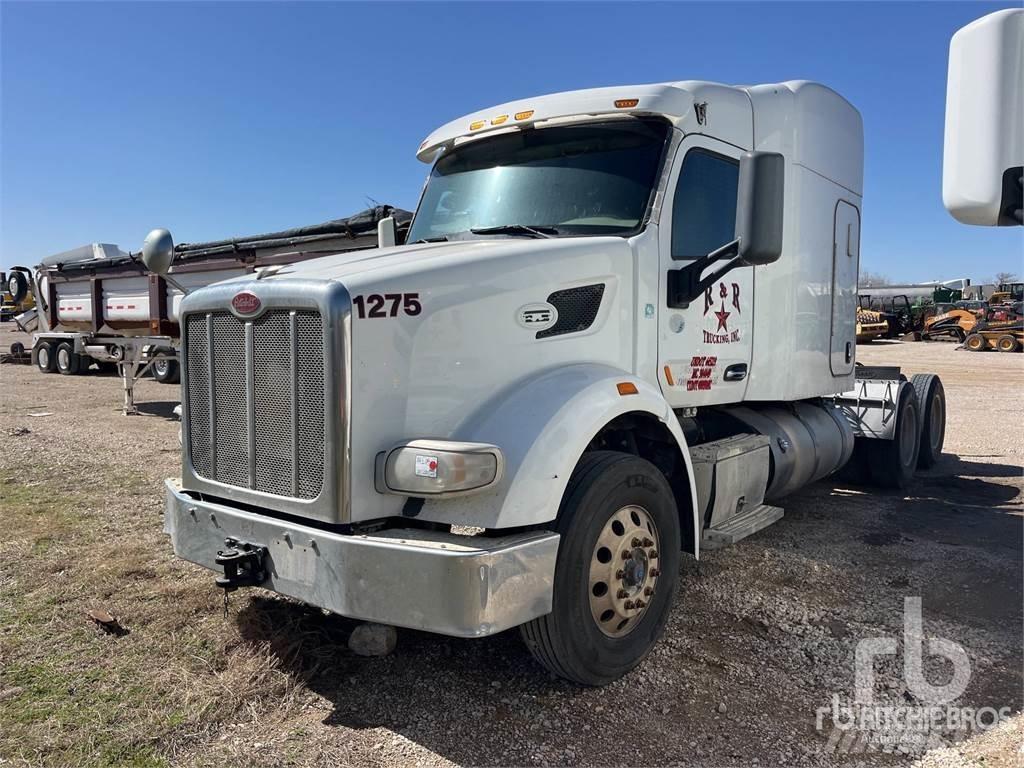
616, 574
976, 343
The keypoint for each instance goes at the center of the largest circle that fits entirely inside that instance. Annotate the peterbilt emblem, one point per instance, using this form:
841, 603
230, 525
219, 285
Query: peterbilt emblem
246, 303
537, 317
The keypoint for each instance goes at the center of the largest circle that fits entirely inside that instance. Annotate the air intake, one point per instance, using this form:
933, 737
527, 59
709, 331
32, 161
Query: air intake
577, 309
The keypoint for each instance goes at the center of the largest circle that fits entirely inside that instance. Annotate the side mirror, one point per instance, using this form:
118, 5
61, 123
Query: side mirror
759, 207
386, 233
158, 251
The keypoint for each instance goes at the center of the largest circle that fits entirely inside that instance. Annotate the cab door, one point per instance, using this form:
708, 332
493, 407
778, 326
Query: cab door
845, 258
704, 349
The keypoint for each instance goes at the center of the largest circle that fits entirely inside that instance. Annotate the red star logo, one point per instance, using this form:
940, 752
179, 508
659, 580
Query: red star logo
722, 316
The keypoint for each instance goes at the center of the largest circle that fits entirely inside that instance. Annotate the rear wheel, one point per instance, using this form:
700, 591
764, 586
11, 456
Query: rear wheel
166, 371
67, 361
975, 342
616, 574
42, 353
892, 462
931, 397
1007, 343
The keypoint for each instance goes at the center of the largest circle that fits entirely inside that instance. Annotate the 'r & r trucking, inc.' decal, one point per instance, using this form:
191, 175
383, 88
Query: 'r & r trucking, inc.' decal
721, 334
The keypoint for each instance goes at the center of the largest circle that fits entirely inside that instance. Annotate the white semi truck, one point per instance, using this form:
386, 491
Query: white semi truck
621, 329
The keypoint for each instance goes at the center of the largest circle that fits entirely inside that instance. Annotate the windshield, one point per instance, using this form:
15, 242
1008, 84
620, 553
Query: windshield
568, 180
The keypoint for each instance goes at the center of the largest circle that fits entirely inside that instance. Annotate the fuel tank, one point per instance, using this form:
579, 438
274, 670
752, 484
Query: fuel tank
807, 440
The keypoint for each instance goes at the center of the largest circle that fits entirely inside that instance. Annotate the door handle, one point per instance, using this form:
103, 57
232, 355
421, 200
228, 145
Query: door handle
737, 372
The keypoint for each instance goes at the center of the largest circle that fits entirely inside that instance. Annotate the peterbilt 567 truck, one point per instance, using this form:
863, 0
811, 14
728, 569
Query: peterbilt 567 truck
621, 329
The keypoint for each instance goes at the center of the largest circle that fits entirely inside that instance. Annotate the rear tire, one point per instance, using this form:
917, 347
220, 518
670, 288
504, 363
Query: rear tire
892, 462
66, 360
620, 543
975, 342
166, 371
1007, 343
931, 397
42, 356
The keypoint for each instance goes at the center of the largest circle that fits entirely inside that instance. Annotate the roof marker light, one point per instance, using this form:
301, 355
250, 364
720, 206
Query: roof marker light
524, 115
499, 120
626, 103
477, 125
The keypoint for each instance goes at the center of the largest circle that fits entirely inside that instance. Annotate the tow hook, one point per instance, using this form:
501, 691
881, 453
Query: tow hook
242, 563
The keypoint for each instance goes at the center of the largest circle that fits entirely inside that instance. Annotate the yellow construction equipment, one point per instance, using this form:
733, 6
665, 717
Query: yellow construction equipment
870, 325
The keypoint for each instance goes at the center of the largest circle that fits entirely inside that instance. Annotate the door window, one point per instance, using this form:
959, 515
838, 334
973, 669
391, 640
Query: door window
704, 209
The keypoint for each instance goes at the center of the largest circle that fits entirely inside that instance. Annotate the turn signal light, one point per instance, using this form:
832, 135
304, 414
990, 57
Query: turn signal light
627, 388
626, 103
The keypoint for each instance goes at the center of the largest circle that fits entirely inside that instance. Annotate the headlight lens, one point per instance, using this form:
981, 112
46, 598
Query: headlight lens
437, 467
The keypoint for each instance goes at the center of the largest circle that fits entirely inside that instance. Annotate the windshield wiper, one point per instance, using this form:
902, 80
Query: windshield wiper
539, 230
438, 239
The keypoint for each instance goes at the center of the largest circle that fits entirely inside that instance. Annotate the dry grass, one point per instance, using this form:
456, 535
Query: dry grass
74, 694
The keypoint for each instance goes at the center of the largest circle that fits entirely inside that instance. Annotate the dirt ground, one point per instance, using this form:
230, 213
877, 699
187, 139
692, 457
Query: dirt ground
762, 636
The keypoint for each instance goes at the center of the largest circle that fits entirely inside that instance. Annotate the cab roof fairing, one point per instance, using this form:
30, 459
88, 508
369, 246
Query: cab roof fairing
663, 99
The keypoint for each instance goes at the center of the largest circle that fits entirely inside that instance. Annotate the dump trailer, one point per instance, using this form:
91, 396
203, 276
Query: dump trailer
98, 304
622, 330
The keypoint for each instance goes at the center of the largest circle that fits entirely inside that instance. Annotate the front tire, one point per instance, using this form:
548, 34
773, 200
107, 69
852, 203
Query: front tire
616, 574
976, 343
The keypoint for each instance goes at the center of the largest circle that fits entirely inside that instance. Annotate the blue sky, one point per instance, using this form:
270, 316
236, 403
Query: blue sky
223, 119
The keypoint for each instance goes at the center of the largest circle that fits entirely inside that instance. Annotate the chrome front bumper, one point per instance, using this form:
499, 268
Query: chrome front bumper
438, 582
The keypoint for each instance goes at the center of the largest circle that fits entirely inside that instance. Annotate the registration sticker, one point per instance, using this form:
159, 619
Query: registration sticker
426, 466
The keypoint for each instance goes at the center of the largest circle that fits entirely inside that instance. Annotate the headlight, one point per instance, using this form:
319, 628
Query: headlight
438, 467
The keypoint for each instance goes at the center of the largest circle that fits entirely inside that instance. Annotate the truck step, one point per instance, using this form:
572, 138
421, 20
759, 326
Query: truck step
741, 526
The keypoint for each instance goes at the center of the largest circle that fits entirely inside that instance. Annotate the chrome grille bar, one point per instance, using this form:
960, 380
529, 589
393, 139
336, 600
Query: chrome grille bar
294, 345
250, 404
212, 395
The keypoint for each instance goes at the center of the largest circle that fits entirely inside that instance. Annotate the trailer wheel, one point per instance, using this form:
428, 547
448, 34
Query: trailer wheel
616, 574
42, 356
166, 371
892, 462
931, 397
975, 342
17, 286
67, 361
1007, 343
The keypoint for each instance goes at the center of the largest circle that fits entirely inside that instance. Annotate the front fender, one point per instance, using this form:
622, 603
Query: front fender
543, 425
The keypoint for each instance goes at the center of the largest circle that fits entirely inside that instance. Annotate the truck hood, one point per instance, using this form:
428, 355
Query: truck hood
384, 263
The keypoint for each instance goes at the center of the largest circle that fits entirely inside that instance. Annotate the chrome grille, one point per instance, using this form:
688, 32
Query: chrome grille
255, 405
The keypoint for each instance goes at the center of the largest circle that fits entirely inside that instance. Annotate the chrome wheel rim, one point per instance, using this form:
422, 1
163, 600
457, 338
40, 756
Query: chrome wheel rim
161, 367
63, 359
624, 571
44, 357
